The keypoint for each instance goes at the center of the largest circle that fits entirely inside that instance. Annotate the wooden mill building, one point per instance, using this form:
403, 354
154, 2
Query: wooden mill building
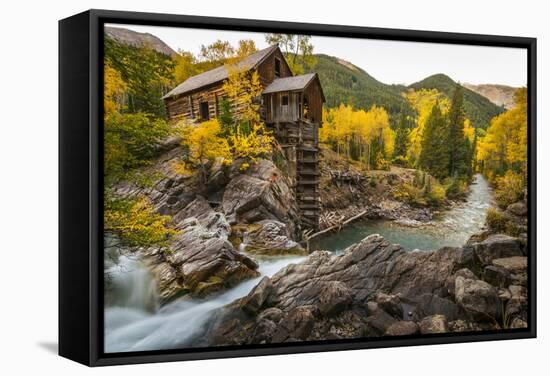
291, 106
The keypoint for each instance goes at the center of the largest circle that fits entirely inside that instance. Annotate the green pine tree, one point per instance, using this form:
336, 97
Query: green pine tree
434, 156
401, 137
459, 155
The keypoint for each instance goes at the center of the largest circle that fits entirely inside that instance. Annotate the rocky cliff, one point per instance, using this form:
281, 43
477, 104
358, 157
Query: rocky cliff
501, 95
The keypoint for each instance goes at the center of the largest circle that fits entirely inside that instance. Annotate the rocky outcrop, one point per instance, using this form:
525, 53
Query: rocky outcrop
262, 192
373, 289
204, 257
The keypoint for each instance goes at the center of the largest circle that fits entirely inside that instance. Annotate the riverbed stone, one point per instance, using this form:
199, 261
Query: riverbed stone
433, 324
391, 303
402, 328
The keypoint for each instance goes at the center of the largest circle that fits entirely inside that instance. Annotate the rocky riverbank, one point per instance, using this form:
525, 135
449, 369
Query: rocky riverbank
376, 288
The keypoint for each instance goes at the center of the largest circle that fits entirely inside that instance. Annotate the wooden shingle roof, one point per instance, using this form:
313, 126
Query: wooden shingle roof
292, 83
220, 73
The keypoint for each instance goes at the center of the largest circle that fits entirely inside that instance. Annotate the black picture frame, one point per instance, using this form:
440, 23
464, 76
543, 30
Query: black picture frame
80, 184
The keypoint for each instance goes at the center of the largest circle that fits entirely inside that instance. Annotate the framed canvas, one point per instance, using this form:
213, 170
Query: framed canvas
234, 187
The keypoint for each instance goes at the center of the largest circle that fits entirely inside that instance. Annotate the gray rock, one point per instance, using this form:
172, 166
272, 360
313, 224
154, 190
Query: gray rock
430, 304
477, 297
433, 324
516, 266
450, 282
274, 314
497, 246
379, 322
517, 305
518, 323
518, 208
402, 328
496, 276
512, 264
390, 303
297, 324
335, 298
263, 331
463, 326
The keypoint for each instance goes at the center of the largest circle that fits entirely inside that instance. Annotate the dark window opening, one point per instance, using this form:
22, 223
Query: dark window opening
277, 67
285, 100
306, 107
205, 115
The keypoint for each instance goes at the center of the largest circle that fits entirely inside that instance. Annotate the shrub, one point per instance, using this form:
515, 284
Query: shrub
499, 222
400, 161
456, 187
372, 182
509, 188
434, 192
496, 220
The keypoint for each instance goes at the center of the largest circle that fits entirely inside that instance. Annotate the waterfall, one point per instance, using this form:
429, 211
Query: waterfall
130, 285
131, 324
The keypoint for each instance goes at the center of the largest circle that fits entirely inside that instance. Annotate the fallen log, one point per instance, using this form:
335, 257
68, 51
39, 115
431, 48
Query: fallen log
338, 226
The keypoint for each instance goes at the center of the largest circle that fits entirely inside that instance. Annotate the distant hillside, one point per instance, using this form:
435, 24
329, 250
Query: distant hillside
501, 95
133, 38
479, 109
344, 82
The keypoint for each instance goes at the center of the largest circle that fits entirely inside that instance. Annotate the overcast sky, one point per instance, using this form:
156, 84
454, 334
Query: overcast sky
388, 61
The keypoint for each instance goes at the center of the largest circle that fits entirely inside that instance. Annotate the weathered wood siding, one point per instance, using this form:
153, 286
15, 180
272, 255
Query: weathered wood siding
315, 102
266, 69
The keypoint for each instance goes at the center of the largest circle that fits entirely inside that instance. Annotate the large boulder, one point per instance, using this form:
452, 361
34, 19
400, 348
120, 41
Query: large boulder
261, 192
497, 246
267, 237
477, 297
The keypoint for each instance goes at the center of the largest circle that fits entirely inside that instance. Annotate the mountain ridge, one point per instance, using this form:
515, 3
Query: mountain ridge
137, 39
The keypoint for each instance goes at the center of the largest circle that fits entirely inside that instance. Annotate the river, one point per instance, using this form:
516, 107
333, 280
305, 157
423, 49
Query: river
134, 320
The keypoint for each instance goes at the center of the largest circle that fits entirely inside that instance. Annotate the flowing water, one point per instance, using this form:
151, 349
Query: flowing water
134, 321
453, 228
133, 327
